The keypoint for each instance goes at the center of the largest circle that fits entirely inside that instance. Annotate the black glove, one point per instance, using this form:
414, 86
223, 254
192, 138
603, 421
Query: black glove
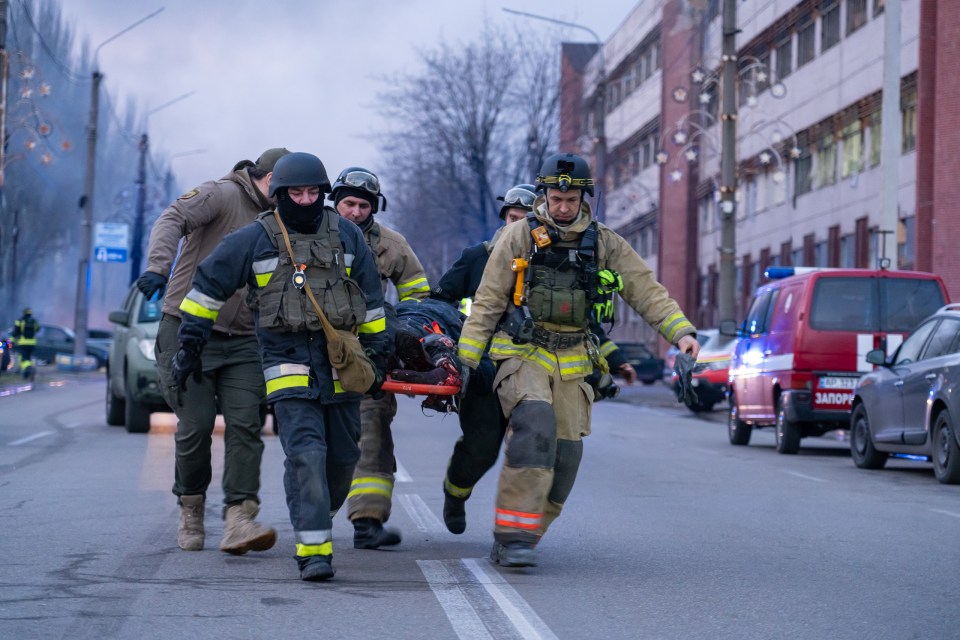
150, 283
185, 362
379, 373
684, 365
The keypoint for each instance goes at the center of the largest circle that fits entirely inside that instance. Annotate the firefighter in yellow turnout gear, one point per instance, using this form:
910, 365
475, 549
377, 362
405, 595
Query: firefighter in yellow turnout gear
357, 197
545, 350
25, 337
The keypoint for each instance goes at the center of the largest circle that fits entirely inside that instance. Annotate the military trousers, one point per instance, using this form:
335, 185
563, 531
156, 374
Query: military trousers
232, 383
475, 452
371, 491
548, 417
320, 442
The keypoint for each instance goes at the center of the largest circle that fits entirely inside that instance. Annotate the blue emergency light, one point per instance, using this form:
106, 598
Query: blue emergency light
778, 273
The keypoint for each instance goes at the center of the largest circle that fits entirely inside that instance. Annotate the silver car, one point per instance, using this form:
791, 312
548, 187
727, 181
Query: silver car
910, 405
133, 385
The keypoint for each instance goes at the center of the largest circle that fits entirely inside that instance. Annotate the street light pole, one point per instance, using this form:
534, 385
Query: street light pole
136, 248
86, 202
600, 113
726, 298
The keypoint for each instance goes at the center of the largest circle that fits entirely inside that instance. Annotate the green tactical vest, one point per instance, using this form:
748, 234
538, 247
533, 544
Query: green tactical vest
284, 308
560, 281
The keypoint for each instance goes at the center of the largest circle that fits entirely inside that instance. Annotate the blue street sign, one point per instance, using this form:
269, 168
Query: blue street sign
109, 254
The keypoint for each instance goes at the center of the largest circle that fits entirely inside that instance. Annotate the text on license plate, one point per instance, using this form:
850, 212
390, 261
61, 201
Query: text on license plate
837, 382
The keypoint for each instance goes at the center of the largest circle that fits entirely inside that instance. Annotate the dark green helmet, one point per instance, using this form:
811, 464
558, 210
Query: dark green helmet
565, 171
360, 179
520, 196
299, 170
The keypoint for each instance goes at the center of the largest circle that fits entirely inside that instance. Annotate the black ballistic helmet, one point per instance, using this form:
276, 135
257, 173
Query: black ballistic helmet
565, 171
363, 180
521, 196
299, 170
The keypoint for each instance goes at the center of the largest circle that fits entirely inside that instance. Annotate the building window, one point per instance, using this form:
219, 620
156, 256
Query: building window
806, 43
910, 122
820, 256
803, 174
876, 139
829, 26
856, 15
905, 240
878, 7
826, 162
784, 57
750, 204
848, 251
796, 259
852, 162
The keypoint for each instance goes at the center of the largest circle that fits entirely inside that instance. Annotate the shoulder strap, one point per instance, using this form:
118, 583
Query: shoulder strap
588, 244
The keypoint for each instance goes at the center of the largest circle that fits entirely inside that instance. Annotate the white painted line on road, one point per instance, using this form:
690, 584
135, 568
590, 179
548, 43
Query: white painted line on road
35, 436
946, 513
805, 476
466, 623
420, 513
401, 475
523, 617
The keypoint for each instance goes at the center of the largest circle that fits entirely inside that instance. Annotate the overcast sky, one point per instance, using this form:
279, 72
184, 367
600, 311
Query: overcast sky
296, 73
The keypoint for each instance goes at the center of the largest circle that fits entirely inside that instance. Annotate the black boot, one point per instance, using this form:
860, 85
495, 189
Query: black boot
513, 554
454, 514
368, 533
316, 568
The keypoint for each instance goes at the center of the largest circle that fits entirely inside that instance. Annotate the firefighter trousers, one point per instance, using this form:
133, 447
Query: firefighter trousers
232, 383
320, 445
371, 491
548, 417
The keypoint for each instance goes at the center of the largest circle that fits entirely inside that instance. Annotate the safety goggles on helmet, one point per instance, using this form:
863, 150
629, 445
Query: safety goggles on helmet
518, 197
360, 179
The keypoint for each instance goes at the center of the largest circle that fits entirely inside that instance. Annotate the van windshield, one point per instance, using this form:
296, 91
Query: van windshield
873, 304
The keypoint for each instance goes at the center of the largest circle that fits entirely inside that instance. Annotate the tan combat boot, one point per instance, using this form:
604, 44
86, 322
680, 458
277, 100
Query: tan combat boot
190, 533
242, 534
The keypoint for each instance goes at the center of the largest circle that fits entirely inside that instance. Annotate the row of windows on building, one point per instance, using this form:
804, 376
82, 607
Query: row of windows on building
639, 66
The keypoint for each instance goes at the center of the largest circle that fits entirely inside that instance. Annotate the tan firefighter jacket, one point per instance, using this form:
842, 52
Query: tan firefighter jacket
397, 263
494, 297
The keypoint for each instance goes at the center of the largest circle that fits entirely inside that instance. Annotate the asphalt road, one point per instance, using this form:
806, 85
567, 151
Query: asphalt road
670, 533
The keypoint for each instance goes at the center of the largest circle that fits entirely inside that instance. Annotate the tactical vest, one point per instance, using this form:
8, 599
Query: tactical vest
285, 308
28, 331
562, 277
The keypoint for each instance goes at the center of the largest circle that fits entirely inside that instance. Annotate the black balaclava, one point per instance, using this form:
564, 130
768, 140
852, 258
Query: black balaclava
300, 218
346, 192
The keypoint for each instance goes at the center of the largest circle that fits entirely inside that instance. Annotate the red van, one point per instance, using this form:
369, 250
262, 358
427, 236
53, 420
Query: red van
804, 345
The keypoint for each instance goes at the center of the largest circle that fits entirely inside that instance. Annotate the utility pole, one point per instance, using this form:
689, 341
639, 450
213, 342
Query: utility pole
4, 70
890, 144
136, 250
728, 169
86, 227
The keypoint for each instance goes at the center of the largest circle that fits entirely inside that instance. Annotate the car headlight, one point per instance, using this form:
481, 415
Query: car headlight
147, 348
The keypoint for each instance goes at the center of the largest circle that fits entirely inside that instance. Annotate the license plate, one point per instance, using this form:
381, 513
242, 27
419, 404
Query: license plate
837, 382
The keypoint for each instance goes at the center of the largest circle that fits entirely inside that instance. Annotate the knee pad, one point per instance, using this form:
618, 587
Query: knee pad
533, 441
569, 454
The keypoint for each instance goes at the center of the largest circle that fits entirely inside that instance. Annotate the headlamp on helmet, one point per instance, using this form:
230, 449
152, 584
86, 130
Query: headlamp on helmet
565, 171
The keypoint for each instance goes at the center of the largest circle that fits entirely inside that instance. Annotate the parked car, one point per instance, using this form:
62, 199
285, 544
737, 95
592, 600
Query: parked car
133, 384
804, 343
711, 375
910, 406
648, 365
54, 339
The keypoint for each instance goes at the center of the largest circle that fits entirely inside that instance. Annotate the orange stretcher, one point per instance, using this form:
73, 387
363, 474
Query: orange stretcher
414, 389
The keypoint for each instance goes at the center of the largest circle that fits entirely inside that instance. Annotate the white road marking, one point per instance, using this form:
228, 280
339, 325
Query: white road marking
946, 513
401, 475
420, 513
805, 476
464, 618
35, 436
523, 617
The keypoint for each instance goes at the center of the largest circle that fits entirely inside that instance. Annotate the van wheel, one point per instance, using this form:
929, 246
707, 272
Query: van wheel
137, 416
787, 432
737, 430
864, 454
115, 407
946, 453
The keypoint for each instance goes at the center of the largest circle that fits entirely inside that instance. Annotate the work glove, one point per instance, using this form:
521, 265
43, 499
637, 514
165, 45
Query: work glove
151, 283
185, 362
684, 365
379, 372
